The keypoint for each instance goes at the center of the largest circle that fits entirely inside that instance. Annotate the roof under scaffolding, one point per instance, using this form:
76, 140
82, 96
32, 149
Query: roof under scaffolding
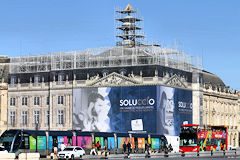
105, 57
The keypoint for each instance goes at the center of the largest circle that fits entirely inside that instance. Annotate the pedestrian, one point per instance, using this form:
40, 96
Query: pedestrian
98, 145
93, 150
62, 146
69, 144
129, 147
124, 147
55, 147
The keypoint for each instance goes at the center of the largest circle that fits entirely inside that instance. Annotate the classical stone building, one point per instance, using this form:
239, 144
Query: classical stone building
46, 98
41, 88
3, 92
220, 106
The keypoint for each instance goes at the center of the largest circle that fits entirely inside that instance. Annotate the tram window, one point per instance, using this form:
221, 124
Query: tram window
70, 140
25, 143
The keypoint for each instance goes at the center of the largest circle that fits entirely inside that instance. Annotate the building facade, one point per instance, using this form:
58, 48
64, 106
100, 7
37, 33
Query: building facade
4, 61
220, 106
41, 89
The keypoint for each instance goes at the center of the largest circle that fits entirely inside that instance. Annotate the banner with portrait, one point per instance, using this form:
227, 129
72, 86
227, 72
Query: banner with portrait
152, 109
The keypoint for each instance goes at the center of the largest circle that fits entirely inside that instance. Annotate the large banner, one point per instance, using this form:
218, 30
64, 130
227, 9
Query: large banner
173, 109
154, 109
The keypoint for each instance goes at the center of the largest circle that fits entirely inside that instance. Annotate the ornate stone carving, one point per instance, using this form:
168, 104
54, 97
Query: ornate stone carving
175, 81
94, 78
114, 79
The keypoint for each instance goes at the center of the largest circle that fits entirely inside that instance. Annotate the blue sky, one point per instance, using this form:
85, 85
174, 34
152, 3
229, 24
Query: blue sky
207, 28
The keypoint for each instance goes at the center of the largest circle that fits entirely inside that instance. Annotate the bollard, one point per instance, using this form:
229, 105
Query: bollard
211, 153
198, 153
125, 156
224, 152
235, 151
147, 154
106, 157
183, 154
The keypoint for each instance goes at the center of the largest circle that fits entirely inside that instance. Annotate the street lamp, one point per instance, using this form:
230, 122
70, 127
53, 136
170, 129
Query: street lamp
36, 132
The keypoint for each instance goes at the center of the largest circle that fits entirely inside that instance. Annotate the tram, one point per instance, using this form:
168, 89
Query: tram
19, 141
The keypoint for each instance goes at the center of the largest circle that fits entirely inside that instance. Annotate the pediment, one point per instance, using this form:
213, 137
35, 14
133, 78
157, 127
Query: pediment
114, 79
175, 81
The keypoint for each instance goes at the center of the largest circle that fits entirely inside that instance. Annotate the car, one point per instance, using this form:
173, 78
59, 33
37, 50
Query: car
71, 152
231, 147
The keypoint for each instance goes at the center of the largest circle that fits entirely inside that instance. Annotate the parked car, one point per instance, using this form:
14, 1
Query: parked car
231, 147
71, 152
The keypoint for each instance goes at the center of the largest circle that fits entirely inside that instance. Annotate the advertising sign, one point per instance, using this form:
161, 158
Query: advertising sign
141, 143
100, 140
121, 141
155, 143
111, 143
32, 143
84, 142
60, 140
154, 109
50, 141
65, 139
212, 134
74, 140
41, 142
174, 107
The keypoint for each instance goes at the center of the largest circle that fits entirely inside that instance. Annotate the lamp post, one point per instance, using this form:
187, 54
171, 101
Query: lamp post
36, 133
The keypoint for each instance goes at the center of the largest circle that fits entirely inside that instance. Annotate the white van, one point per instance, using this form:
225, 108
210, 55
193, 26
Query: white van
174, 141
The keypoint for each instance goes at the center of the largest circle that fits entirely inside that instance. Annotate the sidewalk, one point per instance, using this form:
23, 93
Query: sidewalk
162, 155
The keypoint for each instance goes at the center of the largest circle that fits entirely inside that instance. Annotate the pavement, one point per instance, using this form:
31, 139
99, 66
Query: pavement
178, 156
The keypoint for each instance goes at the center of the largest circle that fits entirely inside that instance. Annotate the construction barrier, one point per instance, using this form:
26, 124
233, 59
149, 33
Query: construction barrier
7, 156
29, 156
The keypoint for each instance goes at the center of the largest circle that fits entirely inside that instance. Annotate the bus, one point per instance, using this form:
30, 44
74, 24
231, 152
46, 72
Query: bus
195, 139
20, 141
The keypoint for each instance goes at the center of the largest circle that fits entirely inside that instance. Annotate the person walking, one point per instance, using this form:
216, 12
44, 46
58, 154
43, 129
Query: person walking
55, 147
129, 147
93, 150
124, 147
98, 146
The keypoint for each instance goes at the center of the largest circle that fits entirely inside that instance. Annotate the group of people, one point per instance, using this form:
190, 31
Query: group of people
96, 146
126, 147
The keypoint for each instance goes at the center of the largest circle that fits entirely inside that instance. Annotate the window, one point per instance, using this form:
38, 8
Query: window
60, 99
47, 101
60, 117
47, 118
105, 72
36, 79
61, 77
13, 80
36, 117
25, 143
24, 117
123, 71
24, 101
12, 101
12, 118
36, 101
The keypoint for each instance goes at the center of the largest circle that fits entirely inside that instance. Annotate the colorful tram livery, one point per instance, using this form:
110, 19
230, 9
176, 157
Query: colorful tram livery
18, 141
194, 139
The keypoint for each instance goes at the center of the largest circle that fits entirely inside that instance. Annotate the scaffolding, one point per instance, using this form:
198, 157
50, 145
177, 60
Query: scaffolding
130, 51
106, 57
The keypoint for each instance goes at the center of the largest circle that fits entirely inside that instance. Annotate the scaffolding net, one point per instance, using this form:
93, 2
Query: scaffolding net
106, 57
